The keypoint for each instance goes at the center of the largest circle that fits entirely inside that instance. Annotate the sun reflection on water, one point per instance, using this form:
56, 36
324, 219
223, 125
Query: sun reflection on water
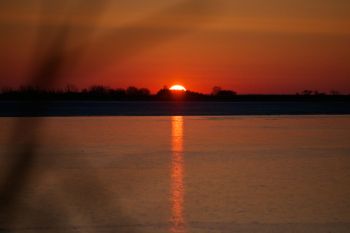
177, 174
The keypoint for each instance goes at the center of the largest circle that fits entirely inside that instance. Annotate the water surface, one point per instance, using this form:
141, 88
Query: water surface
179, 174
173, 108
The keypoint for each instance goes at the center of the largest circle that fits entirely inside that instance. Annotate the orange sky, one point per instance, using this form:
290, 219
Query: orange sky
251, 46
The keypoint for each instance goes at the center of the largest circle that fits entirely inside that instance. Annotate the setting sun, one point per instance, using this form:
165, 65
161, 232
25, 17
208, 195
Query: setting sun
177, 88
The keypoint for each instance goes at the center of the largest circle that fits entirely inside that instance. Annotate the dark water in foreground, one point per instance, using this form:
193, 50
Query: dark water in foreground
178, 174
104, 108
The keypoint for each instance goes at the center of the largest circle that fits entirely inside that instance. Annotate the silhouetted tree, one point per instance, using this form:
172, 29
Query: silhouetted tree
131, 91
221, 94
71, 88
6, 90
144, 92
164, 94
334, 92
216, 90
306, 92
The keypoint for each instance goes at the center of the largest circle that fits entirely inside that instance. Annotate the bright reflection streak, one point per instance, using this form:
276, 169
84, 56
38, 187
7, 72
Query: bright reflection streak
177, 173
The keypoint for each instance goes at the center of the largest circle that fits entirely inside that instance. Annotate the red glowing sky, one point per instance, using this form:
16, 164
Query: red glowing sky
248, 46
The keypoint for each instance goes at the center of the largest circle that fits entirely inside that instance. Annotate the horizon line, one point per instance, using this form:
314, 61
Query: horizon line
74, 88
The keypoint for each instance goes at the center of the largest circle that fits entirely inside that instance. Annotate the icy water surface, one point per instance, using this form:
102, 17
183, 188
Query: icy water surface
176, 174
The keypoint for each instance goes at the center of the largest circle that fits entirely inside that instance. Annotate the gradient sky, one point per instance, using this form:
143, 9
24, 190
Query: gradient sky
251, 46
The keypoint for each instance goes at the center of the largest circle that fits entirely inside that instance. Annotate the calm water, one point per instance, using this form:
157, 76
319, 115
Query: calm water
158, 108
177, 174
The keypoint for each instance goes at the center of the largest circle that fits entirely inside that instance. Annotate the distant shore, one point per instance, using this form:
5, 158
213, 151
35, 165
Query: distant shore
101, 93
171, 108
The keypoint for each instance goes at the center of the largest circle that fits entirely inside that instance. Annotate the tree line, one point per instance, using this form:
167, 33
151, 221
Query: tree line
99, 92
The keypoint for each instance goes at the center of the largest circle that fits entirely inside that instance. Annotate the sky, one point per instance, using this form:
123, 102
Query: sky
250, 46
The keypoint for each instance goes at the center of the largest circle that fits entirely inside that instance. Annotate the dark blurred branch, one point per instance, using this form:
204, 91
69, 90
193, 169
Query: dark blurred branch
54, 56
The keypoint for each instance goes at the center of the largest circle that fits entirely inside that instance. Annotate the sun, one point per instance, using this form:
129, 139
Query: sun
177, 88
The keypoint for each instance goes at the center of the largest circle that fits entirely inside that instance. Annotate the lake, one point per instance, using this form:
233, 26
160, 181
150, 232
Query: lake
175, 174
171, 108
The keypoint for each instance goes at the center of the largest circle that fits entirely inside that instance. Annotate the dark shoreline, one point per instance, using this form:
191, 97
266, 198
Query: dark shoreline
170, 108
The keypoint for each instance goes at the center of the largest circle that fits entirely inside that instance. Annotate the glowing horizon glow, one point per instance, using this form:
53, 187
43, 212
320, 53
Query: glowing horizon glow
236, 44
177, 88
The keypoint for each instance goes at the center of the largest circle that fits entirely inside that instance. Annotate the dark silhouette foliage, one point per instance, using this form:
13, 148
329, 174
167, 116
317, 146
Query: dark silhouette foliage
104, 93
